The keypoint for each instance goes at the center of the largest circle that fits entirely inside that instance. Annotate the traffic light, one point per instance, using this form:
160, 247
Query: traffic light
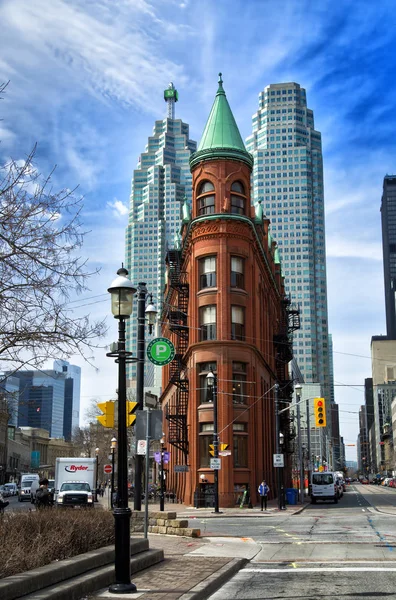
131, 418
320, 412
222, 447
107, 419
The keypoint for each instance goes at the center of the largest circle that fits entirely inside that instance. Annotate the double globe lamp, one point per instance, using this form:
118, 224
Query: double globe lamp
122, 292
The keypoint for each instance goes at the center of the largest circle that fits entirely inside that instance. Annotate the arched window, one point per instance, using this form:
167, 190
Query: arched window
238, 198
206, 198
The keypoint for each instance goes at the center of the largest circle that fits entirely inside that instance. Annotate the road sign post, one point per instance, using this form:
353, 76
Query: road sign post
278, 460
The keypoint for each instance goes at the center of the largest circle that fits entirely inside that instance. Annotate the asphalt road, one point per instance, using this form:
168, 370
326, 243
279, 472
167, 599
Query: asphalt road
345, 550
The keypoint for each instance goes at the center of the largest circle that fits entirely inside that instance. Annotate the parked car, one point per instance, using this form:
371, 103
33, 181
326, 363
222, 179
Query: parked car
12, 489
4, 491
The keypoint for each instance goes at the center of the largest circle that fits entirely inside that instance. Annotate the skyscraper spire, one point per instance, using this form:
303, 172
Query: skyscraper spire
221, 137
171, 95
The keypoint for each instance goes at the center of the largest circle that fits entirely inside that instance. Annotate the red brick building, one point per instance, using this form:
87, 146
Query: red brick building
226, 312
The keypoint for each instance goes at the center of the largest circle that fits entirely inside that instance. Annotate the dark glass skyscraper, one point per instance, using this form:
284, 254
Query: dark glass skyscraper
388, 219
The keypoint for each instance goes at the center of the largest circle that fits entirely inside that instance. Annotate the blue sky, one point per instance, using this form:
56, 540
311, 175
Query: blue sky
86, 83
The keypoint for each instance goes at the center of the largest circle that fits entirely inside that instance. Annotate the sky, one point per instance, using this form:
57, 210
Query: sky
86, 84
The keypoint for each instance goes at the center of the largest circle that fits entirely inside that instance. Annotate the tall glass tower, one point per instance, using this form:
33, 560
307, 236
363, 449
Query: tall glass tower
160, 184
288, 180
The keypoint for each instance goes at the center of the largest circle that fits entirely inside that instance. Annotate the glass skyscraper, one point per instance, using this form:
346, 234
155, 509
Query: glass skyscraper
288, 180
161, 182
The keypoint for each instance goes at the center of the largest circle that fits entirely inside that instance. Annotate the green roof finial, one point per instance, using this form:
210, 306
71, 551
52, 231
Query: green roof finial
221, 137
259, 213
277, 259
220, 82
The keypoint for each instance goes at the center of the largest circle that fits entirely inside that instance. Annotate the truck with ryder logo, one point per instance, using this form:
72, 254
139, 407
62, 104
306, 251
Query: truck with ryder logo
75, 482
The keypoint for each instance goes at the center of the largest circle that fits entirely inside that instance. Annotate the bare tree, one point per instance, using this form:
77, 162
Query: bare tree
40, 270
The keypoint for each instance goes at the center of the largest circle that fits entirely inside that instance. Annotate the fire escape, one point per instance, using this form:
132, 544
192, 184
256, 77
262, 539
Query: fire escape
176, 412
283, 345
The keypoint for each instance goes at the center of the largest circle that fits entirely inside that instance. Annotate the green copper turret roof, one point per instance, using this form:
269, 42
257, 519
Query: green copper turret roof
221, 137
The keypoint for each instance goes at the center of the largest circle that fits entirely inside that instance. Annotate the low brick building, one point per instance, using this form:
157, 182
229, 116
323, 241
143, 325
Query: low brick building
227, 314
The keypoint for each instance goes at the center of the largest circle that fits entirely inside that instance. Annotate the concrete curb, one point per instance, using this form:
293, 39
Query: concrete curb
211, 584
56, 573
91, 582
305, 505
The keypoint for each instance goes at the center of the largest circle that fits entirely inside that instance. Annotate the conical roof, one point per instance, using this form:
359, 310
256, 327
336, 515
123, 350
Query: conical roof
221, 137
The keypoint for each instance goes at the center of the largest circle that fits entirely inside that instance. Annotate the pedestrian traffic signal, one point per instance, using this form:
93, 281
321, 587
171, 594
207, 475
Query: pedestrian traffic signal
107, 419
320, 412
131, 418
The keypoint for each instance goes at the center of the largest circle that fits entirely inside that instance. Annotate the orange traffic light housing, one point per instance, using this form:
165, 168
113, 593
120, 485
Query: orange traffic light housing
320, 412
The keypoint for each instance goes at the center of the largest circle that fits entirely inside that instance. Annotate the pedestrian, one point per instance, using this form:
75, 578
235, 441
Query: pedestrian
3, 503
263, 490
44, 498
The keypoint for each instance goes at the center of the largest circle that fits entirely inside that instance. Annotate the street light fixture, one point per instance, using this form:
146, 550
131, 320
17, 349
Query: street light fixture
211, 380
122, 292
151, 314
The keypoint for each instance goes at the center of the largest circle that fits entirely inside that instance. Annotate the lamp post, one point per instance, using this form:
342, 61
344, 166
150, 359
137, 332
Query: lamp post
162, 483
212, 384
150, 313
298, 389
122, 292
282, 505
97, 450
113, 449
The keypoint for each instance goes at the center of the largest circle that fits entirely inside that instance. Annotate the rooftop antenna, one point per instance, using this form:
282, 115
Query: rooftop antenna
171, 95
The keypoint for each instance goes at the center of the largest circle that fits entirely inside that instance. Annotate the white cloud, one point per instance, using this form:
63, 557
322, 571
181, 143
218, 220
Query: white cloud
339, 247
119, 209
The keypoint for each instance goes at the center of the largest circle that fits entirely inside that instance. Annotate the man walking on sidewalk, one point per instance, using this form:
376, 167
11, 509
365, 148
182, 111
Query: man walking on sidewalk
263, 490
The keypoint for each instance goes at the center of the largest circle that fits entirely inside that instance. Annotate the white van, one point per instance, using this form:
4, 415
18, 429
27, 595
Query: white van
324, 486
26, 483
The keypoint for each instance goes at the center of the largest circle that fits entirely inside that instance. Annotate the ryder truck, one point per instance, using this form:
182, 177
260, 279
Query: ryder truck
75, 482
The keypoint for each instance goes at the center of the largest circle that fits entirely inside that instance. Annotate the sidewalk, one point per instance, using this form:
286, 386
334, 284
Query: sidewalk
190, 512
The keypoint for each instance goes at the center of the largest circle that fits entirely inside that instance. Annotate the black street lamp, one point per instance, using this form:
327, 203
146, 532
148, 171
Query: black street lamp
122, 292
211, 380
113, 449
162, 485
97, 450
151, 314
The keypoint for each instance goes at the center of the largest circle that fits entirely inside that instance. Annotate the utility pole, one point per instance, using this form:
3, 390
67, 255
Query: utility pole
301, 465
309, 443
277, 450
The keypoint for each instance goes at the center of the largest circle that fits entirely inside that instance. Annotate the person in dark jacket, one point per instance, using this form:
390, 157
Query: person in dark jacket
3, 503
263, 490
44, 497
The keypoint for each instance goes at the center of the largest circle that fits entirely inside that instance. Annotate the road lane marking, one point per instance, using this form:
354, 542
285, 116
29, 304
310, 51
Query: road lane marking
322, 570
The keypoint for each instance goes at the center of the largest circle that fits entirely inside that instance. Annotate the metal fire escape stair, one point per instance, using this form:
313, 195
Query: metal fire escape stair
176, 412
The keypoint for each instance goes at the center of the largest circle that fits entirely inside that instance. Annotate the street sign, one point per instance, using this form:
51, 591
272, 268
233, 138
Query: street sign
278, 460
108, 469
160, 351
180, 468
225, 453
141, 447
215, 463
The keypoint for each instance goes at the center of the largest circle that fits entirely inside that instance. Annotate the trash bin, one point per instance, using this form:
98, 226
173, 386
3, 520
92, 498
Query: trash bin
291, 496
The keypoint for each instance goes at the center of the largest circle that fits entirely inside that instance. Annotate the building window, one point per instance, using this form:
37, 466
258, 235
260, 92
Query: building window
205, 439
239, 383
237, 323
205, 392
240, 445
207, 323
206, 199
237, 272
238, 198
207, 272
